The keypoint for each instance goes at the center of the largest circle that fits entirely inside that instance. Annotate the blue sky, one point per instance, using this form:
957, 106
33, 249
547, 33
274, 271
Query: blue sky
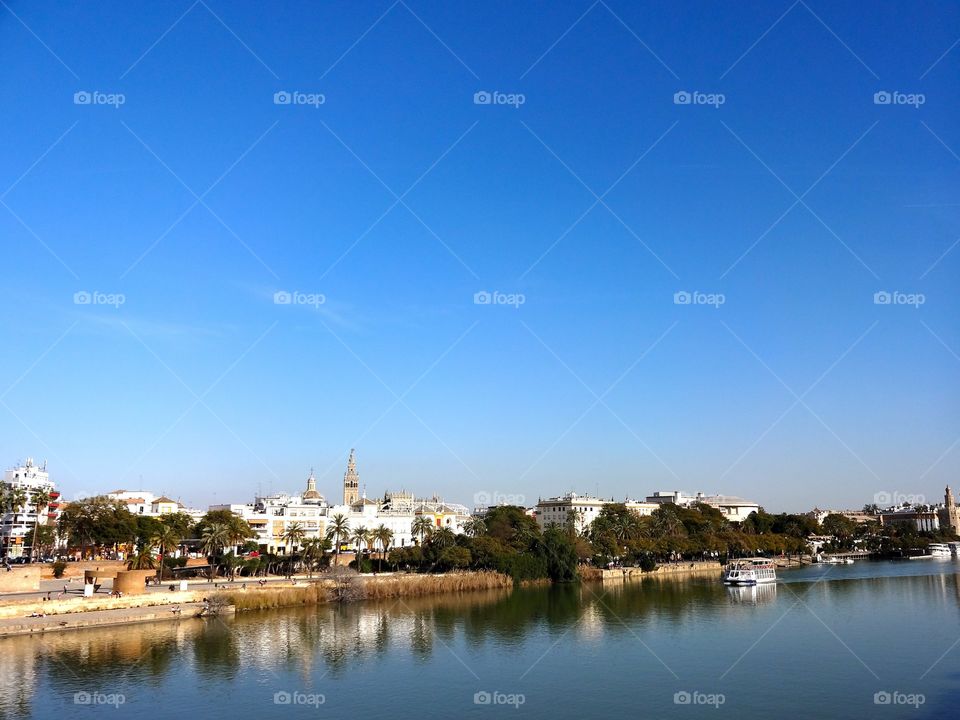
794, 197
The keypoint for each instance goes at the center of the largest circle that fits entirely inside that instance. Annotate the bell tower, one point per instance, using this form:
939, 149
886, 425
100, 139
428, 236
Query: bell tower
351, 481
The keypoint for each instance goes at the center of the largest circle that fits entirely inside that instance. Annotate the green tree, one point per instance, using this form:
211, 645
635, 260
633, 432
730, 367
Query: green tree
167, 536
339, 530
41, 500
384, 536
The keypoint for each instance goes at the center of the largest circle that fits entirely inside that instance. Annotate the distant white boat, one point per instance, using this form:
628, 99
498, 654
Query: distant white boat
940, 550
750, 571
837, 561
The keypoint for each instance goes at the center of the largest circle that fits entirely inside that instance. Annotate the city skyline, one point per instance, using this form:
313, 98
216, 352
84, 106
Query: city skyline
496, 249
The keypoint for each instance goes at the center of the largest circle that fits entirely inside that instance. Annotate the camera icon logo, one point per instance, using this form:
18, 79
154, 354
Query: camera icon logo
882, 98
82, 698
282, 297
282, 698
682, 97
482, 97
482, 298
882, 297
682, 698
82, 97
82, 297
482, 698
882, 498
682, 297
882, 698
282, 98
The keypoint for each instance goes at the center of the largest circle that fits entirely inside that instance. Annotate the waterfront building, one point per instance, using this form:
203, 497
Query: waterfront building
858, 516
26, 483
581, 510
272, 516
733, 508
924, 518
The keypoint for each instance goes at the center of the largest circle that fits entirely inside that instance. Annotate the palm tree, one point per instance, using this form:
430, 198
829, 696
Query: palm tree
214, 538
41, 499
443, 538
384, 536
165, 538
16, 501
421, 527
361, 536
293, 536
475, 527
143, 560
314, 548
338, 530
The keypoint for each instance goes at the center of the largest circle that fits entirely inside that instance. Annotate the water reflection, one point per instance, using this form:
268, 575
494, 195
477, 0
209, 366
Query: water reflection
332, 641
753, 595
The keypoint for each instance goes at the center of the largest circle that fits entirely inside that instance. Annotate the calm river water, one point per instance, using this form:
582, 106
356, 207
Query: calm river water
821, 643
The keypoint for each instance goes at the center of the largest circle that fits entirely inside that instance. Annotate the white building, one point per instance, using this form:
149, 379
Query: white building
25, 482
272, 516
734, 509
557, 511
143, 502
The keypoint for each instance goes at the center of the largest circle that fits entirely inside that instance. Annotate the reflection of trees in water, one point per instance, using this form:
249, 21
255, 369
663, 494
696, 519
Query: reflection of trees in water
216, 649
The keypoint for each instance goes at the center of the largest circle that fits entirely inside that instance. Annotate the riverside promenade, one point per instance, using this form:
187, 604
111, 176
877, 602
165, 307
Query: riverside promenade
100, 618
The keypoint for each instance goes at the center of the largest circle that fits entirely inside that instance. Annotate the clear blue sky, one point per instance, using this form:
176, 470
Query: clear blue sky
206, 389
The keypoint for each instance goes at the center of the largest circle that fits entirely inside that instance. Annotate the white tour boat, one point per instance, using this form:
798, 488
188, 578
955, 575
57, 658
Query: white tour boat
940, 550
750, 571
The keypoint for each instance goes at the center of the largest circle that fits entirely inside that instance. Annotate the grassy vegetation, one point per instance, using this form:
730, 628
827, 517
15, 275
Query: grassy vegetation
368, 588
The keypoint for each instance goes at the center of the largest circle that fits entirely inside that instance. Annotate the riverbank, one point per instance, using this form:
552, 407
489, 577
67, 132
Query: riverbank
102, 618
364, 587
667, 570
37, 615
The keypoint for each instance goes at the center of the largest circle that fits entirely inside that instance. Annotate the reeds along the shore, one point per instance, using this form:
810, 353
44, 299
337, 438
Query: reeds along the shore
379, 588
368, 588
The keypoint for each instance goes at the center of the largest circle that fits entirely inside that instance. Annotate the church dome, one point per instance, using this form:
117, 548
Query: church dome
311, 494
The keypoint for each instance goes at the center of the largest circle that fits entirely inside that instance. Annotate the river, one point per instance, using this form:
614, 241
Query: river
870, 640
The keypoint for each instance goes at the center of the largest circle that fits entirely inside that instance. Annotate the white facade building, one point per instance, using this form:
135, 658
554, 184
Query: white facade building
558, 511
272, 516
143, 502
734, 509
26, 482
